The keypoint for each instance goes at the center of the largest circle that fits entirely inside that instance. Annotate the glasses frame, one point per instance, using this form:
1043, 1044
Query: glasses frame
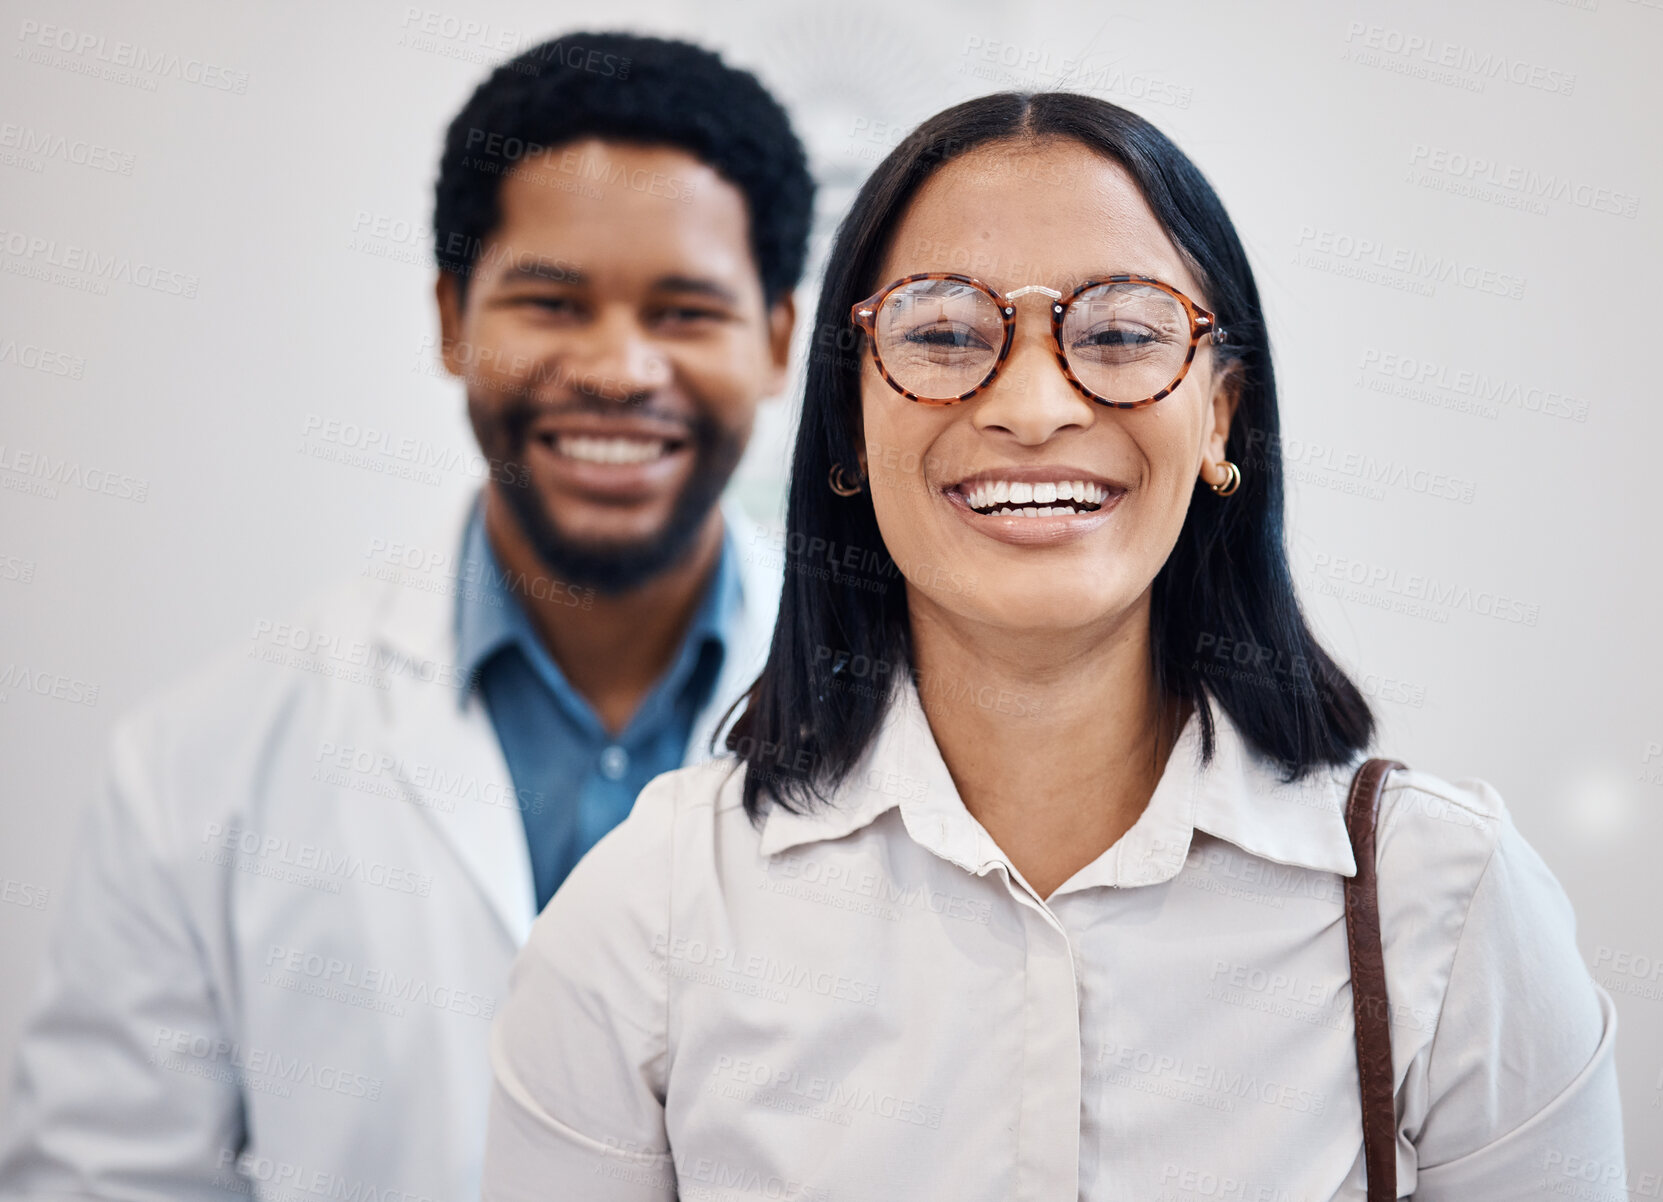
864, 315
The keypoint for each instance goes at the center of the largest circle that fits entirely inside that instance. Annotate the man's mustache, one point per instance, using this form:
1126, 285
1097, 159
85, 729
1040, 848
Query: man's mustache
528, 381
515, 418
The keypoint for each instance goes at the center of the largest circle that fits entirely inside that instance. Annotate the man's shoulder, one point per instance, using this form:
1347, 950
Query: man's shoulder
282, 664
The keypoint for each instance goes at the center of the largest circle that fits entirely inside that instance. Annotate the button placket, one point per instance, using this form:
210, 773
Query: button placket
1048, 1151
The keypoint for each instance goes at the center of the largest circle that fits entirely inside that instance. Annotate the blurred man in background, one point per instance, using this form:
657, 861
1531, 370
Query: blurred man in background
291, 922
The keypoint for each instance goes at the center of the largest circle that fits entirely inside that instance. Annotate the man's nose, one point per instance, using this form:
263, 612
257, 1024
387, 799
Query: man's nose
616, 359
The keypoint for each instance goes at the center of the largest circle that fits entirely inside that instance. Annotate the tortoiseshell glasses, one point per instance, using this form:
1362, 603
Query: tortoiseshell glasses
1125, 340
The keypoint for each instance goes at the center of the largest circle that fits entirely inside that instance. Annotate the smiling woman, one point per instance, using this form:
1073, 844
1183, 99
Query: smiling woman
1138, 264
1057, 910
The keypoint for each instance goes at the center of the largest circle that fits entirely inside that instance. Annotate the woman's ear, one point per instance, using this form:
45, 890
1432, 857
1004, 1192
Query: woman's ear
1227, 387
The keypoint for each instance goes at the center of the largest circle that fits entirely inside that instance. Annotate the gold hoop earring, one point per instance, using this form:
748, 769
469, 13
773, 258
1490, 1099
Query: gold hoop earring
840, 484
1231, 481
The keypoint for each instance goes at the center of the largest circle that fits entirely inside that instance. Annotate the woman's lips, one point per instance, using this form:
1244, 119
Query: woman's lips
1034, 530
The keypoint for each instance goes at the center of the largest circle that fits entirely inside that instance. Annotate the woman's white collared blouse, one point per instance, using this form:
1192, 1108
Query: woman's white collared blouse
869, 1003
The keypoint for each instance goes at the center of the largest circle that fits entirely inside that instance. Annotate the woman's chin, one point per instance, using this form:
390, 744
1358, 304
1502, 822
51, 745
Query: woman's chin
1024, 611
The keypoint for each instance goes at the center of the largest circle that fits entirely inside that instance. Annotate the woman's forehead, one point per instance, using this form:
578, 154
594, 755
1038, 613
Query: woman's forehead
1051, 211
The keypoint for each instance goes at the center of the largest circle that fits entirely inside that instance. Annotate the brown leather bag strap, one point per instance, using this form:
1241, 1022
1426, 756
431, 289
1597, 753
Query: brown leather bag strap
1371, 1009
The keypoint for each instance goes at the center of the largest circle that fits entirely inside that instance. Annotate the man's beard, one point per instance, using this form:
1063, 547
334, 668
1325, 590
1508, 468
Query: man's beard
609, 568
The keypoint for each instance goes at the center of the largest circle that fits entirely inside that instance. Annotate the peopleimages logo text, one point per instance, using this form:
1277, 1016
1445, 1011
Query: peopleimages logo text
114, 52
119, 269
1436, 53
1525, 181
1409, 262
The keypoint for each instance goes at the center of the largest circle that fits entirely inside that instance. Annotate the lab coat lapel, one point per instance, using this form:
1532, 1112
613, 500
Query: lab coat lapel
752, 631
445, 747
446, 752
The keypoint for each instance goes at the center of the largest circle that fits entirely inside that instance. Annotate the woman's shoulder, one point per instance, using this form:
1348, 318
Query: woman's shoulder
1443, 829
682, 809
1479, 935
629, 868
672, 805
1444, 847
1493, 1008
602, 932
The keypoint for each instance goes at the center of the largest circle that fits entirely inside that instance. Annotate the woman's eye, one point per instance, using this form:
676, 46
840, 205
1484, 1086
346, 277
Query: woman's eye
1120, 336
946, 337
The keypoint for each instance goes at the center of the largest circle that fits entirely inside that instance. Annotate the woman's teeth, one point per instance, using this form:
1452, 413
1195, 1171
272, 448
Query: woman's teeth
610, 450
1018, 498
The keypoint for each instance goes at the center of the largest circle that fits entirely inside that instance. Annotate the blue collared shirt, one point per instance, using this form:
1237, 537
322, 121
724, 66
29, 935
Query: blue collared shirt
575, 781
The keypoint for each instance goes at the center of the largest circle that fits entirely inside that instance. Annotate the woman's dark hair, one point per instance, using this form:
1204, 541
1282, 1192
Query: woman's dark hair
808, 719
629, 88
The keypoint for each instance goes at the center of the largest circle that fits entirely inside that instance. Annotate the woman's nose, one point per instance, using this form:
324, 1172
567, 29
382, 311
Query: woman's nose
1030, 399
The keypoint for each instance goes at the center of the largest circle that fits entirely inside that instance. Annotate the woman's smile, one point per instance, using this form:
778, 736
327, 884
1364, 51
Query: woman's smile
1035, 505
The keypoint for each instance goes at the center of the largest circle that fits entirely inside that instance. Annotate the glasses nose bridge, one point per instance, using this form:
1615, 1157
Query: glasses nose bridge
1007, 301
1008, 308
1027, 288
1034, 357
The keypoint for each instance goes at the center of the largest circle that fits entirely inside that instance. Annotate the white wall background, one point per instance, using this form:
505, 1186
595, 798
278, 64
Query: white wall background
1351, 161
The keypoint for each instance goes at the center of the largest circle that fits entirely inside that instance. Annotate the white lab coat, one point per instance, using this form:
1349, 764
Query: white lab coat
291, 918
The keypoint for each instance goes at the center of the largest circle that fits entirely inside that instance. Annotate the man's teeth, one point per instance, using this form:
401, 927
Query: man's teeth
1037, 500
610, 450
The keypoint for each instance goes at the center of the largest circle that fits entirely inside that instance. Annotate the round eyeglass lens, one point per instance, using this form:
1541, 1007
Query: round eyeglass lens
1127, 341
939, 339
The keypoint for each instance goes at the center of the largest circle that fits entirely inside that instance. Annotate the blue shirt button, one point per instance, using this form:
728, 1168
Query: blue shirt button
614, 762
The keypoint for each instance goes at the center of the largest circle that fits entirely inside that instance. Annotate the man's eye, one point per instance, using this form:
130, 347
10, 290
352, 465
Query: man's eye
541, 303
691, 313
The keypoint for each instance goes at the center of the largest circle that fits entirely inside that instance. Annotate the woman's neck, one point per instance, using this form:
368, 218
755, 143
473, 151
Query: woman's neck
1055, 740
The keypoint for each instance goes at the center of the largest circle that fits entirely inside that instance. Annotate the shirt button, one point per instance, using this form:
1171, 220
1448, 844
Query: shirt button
614, 762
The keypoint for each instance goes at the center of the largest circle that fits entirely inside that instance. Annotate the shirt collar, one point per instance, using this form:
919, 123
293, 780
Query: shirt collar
1238, 797
489, 616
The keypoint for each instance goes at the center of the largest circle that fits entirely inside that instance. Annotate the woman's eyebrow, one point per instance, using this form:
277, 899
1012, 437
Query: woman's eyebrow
1068, 282
1064, 282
